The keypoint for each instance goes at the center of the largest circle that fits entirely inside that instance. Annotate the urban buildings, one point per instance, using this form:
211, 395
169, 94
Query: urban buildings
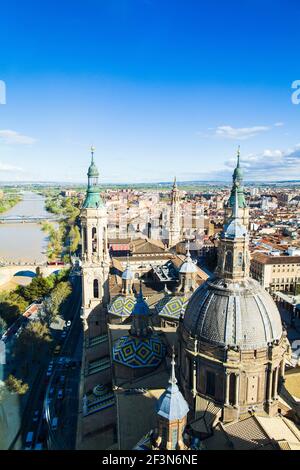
144, 304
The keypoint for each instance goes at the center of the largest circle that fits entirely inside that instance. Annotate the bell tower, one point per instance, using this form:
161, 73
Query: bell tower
95, 256
233, 252
237, 186
174, 230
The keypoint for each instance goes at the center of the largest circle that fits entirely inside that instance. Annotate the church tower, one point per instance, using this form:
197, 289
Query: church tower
95, 256
237, 185
174, 229
233, 253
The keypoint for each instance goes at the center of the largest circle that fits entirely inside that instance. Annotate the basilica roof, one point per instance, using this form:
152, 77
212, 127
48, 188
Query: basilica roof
228, 313
122, 306
172, 307
137, 352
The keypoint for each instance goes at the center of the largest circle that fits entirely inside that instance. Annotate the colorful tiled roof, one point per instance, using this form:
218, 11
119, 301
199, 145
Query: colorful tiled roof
172, 307
137, 352
122, 306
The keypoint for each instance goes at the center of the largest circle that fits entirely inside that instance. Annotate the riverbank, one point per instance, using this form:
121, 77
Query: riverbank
8, 201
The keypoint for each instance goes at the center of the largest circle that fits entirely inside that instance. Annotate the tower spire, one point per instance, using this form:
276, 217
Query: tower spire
238, 157
173, 379
92, 152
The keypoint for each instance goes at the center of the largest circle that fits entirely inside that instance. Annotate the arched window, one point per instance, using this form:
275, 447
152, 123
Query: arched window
96, 289
94, 239
228, 261
240, 259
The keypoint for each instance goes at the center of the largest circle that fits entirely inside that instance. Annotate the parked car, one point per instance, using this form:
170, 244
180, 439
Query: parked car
60, 394
29, 439
36, 415
54, 424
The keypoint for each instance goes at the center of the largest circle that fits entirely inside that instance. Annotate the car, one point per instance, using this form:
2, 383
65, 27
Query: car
29, 439
60, 394
61, 361
38, 446
57, 350
36, 415
51, 391
54, 424
62, 379
49, 372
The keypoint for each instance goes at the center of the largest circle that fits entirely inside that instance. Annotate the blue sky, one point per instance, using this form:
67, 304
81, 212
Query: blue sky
160, 87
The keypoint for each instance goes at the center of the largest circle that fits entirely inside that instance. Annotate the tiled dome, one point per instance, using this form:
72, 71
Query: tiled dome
227, 313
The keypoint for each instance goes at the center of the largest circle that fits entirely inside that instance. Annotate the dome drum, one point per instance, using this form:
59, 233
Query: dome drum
242, 381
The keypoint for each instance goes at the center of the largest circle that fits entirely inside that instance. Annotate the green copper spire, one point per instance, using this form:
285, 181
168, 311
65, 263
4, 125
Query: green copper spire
93, 199
237, 184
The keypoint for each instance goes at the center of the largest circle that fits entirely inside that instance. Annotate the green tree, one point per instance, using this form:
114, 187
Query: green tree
33, 340
39, 287
3, 326
53, 304
15, 385
74, 238
12, 304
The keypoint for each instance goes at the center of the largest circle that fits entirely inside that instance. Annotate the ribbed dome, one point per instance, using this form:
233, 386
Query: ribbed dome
188, 266
226, 313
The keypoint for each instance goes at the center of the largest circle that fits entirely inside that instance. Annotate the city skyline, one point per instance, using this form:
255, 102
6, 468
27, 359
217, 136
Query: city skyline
159, 91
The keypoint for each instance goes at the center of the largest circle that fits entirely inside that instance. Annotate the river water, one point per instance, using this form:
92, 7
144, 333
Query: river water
24, 242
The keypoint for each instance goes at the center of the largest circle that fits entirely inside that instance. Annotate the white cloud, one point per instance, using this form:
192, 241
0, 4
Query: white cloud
237, 133
7, 167
240, 133
12, 137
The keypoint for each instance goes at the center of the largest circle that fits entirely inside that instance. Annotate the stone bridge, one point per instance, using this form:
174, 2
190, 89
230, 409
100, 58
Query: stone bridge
9, 270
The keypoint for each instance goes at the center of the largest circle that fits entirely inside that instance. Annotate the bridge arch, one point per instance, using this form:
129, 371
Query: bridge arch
25, 273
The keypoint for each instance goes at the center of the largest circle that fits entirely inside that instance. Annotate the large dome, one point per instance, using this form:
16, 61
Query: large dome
228, 313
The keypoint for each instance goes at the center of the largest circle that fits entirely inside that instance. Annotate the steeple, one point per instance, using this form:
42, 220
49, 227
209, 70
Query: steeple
93, 199
174, 229
172, 410
187, 273
140, 317
237, 182
127, 279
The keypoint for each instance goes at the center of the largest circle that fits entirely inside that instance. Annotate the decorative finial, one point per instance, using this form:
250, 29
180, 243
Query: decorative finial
92, 152
238, 156
173, 379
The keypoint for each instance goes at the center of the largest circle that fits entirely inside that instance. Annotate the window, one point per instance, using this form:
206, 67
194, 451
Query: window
228, 261
240, 259
94, 239
210, 383
96, 289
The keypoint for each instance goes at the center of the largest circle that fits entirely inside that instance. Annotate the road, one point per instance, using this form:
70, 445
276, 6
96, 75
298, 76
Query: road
66, 407
65, 381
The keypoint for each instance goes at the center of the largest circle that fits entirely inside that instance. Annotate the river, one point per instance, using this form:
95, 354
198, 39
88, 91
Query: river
24, 242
